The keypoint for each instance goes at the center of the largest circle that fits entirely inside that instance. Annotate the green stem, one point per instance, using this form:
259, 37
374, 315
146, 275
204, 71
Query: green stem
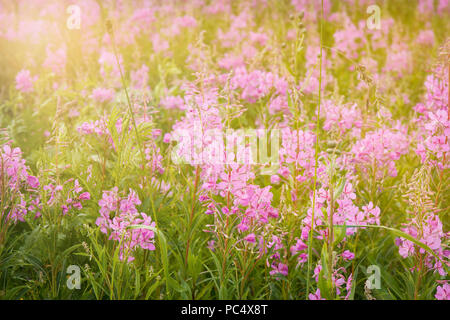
130, 108
316, 156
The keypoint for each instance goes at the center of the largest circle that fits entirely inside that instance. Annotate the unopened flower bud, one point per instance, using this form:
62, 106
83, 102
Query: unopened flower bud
331, 144
109, 26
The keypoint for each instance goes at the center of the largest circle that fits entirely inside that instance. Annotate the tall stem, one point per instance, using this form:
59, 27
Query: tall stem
191, 216
316, 157
130, 108
331, 238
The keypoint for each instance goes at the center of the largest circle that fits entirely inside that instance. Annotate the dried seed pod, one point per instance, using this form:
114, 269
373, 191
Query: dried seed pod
109, 28
335, 151
332, 144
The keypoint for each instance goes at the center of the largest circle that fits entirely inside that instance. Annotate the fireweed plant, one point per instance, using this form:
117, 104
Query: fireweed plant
225, 149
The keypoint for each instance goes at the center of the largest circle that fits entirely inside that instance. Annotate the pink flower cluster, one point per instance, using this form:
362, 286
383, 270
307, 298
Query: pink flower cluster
434, 121
342, 118
24, 81
139, 78
56, 60
443, 292
251, 203
426, 37
338, 278
377, 152
351, 39
99, 128
297, 154
399, 60
172, 102
257, 84
103, 94
117, 214
18, 189
427, 230
109, 70
195, 132
71, 198
428, 6
154, 157
346, 212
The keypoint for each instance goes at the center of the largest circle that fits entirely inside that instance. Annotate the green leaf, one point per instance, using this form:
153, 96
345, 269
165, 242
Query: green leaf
338, 191
353, 289
324, 283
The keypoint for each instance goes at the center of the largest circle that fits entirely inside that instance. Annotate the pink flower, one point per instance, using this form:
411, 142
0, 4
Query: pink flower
117, 214
399, 59
33, 181
250, 238
186, 21
172, 102
139, 78
443, 292
20, 187
85, 196
406, 248
281, 268
24, 81
426, 37
372, 213
103, 94
380, 148
315, 296
56, 60
341, 117
211, 244
349, 40
299, 246
159, 44
347, 255
275, 179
